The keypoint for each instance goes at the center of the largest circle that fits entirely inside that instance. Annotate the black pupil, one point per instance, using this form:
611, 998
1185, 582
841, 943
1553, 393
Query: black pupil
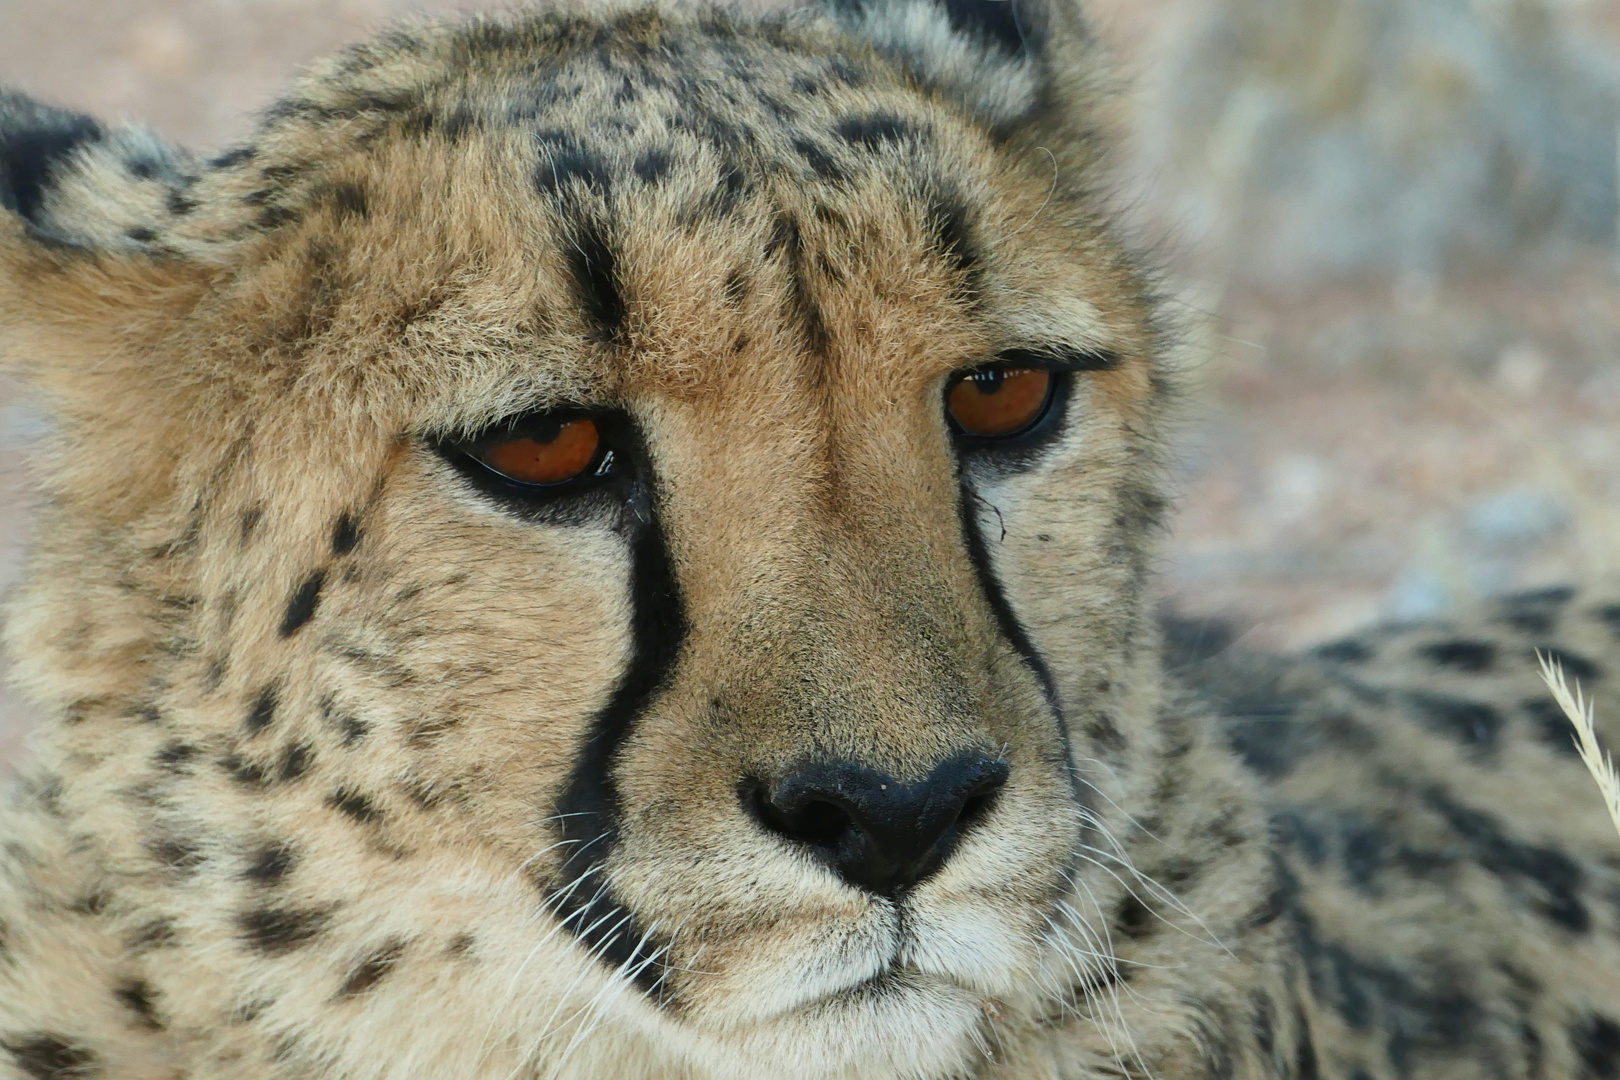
988, 382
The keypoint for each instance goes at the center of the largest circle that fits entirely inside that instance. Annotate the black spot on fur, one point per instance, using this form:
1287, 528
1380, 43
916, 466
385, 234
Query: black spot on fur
296, 760
652, 166
352, 728
251, 517
276, 931
592, 261
1550, 879
174, 756
1536, 612
1348, 651
1596, 1041
1551, 725
1610, 614
1472, 723
563, 161
50, 1057
871, 132
1469, 656
354, 804
157, 934
179, 204
1264, 731
34, 141
821, 163
1105, 735
179, 854
1134, 919
93, 903
350, 201
263, 712
1556, 596
345, 535
1575, 666
301, 608
1264, 1023
1305, 1066
240, 155
244, 770
371, 970
1188, 639
270, 864
1303, 834
141, 235
138, 996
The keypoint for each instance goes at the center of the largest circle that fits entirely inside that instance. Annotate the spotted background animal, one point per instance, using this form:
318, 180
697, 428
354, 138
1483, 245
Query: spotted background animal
613, 543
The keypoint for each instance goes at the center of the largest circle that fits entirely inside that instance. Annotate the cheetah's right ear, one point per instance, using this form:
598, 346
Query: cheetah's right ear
1015, 64
85, 268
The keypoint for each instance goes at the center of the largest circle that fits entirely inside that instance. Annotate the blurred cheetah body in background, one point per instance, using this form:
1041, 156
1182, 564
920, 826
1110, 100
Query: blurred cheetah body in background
812, 723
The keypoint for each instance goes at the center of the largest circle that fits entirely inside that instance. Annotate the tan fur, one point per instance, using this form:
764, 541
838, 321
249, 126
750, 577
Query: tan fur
258, 840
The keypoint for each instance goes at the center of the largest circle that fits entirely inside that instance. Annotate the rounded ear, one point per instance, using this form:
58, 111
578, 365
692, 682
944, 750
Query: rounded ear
83, 207
1015, 64
76, 182
90, 290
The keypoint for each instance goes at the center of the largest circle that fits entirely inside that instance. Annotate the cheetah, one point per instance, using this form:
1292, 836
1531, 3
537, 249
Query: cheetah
614, 544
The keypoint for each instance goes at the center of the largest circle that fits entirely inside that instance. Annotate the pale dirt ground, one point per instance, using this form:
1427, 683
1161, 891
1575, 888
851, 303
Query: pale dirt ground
1369, 449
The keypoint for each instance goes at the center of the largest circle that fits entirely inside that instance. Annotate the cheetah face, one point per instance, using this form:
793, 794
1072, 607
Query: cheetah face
659, 505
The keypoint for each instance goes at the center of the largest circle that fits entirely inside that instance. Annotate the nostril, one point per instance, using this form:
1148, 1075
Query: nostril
816, 822
975, 808
820, 823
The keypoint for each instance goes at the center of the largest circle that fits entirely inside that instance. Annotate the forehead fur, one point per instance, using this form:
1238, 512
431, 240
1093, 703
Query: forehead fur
458, 221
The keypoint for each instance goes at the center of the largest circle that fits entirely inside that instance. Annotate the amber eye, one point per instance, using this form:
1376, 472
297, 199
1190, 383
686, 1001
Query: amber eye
531, 460
999, 401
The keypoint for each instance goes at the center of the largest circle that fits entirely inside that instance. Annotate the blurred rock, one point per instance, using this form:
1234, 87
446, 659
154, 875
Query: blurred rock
1517, 518
1419, 593
1310, 139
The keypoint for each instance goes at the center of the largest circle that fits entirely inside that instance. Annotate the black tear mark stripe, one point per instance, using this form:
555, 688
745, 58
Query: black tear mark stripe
1013, 630
588, 810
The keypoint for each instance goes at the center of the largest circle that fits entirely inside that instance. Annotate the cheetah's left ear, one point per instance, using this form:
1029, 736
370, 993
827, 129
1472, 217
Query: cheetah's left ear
1013, 63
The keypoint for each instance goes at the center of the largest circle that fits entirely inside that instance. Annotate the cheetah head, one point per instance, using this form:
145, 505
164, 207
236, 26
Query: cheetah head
601, 543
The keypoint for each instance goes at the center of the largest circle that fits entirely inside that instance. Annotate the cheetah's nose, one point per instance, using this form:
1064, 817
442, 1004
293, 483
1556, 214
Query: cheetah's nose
879, 834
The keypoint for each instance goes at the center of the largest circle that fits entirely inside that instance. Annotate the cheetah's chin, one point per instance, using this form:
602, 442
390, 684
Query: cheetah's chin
897, 1024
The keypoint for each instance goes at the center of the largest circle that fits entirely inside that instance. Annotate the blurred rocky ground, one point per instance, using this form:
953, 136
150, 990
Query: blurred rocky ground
1392, 224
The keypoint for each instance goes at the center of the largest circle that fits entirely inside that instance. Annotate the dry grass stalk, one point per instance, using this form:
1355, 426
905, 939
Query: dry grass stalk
1579, 711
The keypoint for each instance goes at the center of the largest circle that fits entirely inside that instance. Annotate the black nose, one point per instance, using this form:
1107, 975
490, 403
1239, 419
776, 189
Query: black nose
879, 834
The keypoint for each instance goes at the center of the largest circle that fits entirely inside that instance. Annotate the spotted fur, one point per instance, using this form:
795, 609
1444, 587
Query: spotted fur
357, 767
